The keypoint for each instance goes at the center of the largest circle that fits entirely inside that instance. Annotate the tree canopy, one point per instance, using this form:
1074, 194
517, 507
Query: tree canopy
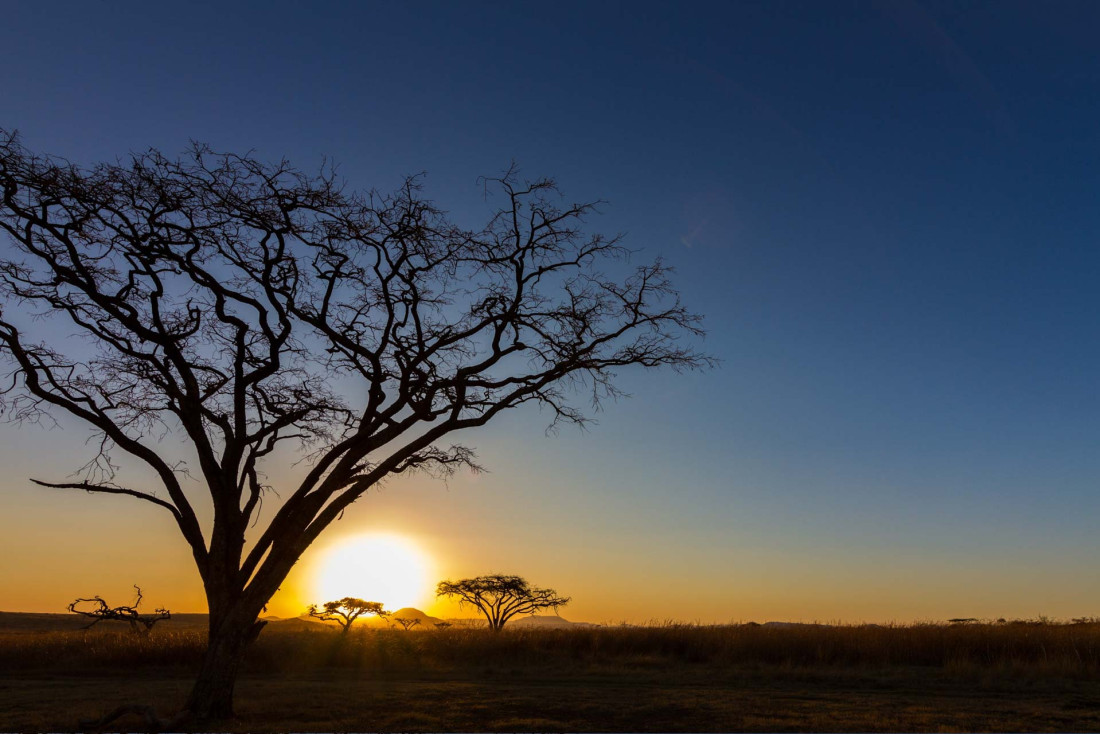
345, 611
499, 597
242, 307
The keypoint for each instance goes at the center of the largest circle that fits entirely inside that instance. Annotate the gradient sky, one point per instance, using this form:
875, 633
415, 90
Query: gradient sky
887, 213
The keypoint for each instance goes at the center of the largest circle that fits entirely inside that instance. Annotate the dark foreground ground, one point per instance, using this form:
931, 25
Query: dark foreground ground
614, 701
673, 678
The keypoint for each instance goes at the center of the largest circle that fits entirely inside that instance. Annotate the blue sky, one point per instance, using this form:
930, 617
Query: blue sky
886, 212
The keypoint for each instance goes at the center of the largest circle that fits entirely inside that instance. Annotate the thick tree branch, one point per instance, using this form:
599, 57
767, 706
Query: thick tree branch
111, 489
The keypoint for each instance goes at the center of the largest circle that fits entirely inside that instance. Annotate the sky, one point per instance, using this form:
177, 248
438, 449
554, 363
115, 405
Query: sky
886, 212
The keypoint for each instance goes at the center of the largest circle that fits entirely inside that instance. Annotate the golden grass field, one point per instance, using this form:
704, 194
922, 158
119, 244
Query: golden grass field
671, 677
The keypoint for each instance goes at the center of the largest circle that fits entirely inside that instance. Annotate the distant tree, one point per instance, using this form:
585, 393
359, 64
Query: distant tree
499, 597
101, 611
345, 611
406, 623
228, 311
443, 625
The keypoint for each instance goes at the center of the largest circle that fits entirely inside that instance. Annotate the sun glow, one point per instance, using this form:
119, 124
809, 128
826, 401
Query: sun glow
384, 568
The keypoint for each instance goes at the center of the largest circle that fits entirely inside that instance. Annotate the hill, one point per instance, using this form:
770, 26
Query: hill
413, 613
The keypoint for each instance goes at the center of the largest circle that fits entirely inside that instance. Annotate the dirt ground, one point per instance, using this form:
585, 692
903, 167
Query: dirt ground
752, 700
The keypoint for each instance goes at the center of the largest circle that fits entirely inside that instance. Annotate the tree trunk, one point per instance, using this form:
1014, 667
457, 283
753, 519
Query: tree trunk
212, 695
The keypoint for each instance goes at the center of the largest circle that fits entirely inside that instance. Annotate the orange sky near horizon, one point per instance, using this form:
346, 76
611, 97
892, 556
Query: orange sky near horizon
648, 567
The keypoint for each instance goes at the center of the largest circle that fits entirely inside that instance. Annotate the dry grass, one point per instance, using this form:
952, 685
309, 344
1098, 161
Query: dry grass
1009, 677
1024, 648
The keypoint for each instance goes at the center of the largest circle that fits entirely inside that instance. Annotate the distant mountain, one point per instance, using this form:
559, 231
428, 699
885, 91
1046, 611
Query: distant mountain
426, 621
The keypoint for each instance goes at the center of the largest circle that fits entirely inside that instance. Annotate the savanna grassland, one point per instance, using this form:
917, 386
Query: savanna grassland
672, 677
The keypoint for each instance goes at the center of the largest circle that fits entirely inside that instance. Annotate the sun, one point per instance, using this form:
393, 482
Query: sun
376, 567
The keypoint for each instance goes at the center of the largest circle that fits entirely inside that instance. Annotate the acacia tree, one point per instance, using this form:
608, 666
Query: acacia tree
246, 307
499, 597
345, 611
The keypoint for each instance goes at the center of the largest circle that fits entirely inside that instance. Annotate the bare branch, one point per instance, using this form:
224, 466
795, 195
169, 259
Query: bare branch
110, 489
101, 612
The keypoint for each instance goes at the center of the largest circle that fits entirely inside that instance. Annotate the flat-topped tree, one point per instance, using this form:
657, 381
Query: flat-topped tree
345, 611
499, 597
241, 306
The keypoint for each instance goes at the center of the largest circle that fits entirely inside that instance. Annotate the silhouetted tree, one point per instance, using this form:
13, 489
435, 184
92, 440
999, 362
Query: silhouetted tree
406, 623
101, 611
345, 611
499, 598
245, 307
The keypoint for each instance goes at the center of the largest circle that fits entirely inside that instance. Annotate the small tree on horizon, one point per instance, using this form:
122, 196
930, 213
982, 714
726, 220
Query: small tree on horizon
499, 597
345, 611
406, 623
